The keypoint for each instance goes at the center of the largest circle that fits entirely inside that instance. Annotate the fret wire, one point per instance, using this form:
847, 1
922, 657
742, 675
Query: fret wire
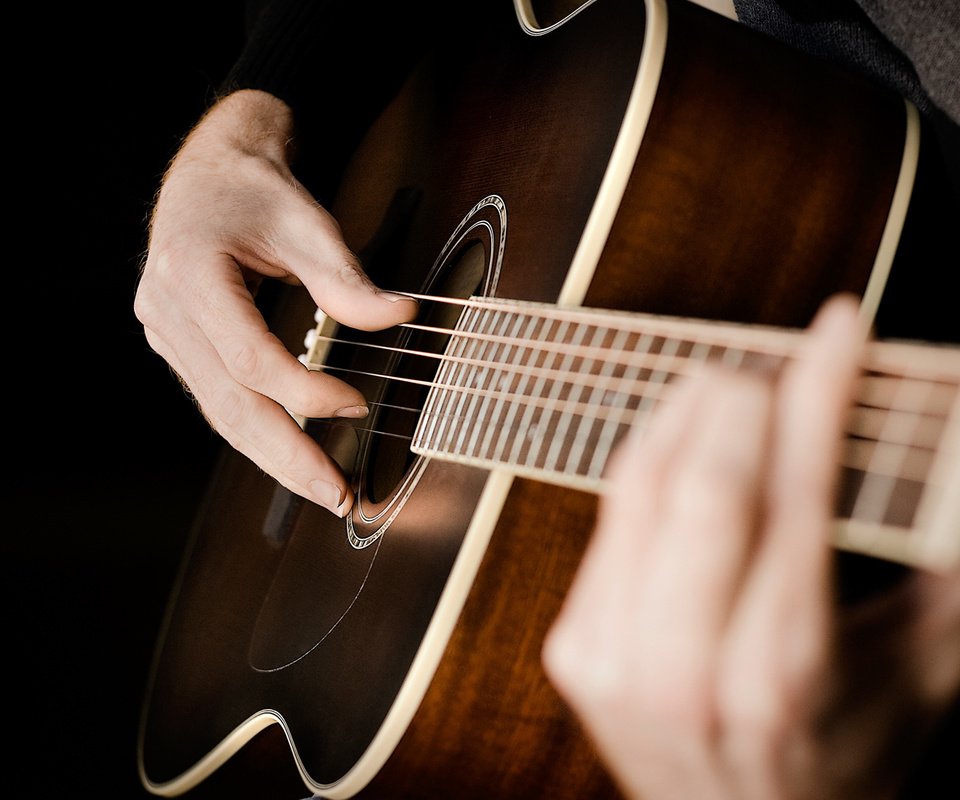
470, 398
613, 423
559, 330
876, 491
937, 390
598, 392
554, 404
884, 392
442, 417
575, 392
733, 357
523, 379
546, 401
555, 329
473, 379
657, 378
874, 457
857, 455
588, 440
479, 419
869, 423
510, 353
460, 345
581, 351
877, 390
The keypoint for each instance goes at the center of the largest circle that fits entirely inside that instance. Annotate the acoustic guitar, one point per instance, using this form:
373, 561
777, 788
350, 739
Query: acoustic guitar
588, 205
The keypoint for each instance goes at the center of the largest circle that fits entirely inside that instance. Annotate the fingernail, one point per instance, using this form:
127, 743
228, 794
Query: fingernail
326, 494
342, 509
393, 297
352, 412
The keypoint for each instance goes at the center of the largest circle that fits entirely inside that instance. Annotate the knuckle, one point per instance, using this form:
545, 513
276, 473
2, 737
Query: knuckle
162, 269
680, 700
285, 456
760, 712
145, 308
799, 498
674, 698
349, 271
244, 364
704, 495
229, 411
165, 267
572, 659
717, 480
753, 712
146, 305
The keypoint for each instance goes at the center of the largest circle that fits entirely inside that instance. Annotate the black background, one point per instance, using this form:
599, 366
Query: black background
106, 457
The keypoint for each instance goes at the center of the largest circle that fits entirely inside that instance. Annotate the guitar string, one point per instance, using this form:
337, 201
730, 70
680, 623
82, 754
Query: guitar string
861, 449
856, 458
763, 360
865, 421
877, 391
762, 339
869, 414
878, 490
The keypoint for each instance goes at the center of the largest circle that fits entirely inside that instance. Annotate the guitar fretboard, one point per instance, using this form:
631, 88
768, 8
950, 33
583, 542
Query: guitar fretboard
547, 393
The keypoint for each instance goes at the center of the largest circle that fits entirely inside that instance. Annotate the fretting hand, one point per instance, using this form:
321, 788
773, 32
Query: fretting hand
702, 645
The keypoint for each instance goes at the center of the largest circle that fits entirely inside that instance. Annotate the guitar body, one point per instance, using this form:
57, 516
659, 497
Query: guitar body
397, 654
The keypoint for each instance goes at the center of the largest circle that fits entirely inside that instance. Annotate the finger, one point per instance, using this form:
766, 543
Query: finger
256, 426
253, 356
311, 246
814, 403
707, 521
602, 655
779, 634
627, 515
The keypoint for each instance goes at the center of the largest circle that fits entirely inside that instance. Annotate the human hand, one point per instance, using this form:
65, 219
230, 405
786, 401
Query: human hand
229, 214
702, 645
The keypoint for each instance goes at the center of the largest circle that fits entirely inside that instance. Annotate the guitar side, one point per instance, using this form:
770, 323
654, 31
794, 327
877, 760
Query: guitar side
405, 660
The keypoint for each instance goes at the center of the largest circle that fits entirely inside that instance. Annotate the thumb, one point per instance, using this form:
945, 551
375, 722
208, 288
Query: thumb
314, 251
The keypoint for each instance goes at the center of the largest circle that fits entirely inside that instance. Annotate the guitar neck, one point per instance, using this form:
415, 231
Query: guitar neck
547, 393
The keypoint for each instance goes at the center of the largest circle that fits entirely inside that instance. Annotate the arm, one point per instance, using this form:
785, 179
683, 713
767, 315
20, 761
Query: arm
701, 643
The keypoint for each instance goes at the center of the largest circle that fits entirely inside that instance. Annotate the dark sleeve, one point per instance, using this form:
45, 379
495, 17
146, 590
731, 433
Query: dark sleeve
839, 31
336, 63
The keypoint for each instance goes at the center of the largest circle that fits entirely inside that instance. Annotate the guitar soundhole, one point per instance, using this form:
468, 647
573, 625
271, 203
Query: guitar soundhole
398, 410
387, 471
